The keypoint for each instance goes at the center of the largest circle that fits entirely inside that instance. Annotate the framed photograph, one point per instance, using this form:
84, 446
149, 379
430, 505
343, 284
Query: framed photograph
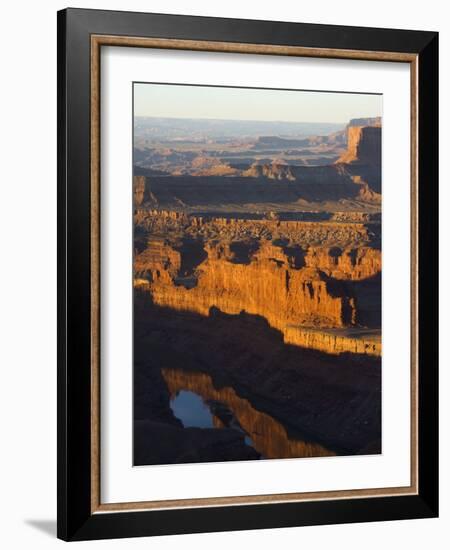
247, 274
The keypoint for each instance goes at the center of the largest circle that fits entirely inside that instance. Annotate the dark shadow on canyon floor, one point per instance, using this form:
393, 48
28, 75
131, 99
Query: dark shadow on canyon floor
296, 402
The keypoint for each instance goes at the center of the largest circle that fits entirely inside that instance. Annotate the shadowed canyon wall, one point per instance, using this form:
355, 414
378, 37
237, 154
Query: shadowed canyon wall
363, 158
364, 145
195, 191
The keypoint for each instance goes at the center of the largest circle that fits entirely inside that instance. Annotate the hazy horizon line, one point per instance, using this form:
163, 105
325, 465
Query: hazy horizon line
206, 102
253, 119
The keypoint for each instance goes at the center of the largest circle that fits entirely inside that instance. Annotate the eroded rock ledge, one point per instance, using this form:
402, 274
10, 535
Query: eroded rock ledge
293, 289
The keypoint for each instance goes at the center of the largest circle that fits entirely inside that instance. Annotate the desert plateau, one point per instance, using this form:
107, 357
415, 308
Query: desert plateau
257, 289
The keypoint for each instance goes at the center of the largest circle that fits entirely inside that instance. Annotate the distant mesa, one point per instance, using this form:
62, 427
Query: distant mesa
368, 121
363, 146
275, 142
198, 178
363, 156
339, 137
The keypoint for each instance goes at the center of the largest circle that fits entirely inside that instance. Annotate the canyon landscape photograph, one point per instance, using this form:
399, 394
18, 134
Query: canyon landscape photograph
256, 274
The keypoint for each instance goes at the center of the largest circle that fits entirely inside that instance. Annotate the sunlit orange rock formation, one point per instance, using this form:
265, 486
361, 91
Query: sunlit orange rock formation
268, 283
351, 263
267, 286
332, 342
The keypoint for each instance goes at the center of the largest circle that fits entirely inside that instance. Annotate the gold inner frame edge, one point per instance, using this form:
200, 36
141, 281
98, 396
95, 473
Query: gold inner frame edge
97, 41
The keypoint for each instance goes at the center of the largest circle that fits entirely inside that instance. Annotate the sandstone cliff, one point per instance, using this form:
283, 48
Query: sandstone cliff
290, 288
363, 145
335, 343
363, 159
265, 287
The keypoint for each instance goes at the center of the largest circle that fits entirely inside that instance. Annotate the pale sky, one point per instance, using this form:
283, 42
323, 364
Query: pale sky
181, 101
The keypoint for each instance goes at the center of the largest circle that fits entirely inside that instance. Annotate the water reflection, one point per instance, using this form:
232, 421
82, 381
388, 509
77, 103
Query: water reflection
196, 402
190, 408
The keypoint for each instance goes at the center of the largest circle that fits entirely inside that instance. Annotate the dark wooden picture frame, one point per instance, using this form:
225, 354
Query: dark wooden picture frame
81, 34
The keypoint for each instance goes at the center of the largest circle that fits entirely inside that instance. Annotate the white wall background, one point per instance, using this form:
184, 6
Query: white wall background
28, 273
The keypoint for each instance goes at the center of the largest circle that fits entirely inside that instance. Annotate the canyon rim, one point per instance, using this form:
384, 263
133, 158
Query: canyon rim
256, 274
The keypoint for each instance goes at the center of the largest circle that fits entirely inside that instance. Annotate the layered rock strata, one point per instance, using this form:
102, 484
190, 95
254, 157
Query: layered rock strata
291, 291
343, 232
